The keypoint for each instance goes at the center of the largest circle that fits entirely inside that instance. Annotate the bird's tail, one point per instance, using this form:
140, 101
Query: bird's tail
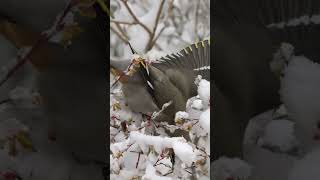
294, 21
195, 57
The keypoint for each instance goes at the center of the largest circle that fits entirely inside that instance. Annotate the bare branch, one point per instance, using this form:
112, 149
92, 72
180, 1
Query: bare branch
158, 17
156, 38
151, 41
123, 22
121, 30
43, 39
196, 18
119, 35
137, 163
125, 2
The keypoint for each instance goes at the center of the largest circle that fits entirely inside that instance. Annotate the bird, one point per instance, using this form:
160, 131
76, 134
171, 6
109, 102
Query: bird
169, 79
71, 81
244, 43
243, 80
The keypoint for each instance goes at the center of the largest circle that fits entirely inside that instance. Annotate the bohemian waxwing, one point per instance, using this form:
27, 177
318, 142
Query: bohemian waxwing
169, 79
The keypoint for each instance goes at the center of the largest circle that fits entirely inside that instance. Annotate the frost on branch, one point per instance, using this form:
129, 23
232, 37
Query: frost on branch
141, 148
157, 27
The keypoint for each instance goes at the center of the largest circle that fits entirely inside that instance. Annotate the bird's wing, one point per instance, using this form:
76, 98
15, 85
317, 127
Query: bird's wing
264, 11
296, 22
293, 21
196, 58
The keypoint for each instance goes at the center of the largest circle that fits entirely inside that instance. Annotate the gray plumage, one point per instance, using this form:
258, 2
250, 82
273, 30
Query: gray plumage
244, 80
169, 79
304, 37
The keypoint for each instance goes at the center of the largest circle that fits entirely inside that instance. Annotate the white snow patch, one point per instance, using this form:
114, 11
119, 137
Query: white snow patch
151, 174
300, 94
204, 91
224, 168
307, 168
197, 104
205, 120
279, 133
182, 149
181, 115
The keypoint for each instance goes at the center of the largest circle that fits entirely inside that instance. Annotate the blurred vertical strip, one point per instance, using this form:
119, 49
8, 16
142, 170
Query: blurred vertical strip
103, 20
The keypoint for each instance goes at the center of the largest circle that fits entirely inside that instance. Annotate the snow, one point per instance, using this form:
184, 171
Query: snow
204, 91
230, 168
202, 68
280, 143
24, 114
183, 150
281, 57
143, 134
181, 115
268, 165
141, 139
279, 133
150, 174
300, 94
205, 120
197, 104
154, 55
140, 43
123, 14
302, 20
307, 167
149, 19
114, 165
265, 162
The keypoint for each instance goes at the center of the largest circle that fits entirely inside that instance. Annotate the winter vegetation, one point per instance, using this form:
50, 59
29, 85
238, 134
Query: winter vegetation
28, 150
282, 143
141, 147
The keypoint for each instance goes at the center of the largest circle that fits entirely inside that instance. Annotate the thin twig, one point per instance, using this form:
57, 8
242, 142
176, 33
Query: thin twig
155, 39
170, 172
137, 163
166, 165
43, 38
121, 30
119, 35
123, 22
151, 41
196, 18
125, 2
